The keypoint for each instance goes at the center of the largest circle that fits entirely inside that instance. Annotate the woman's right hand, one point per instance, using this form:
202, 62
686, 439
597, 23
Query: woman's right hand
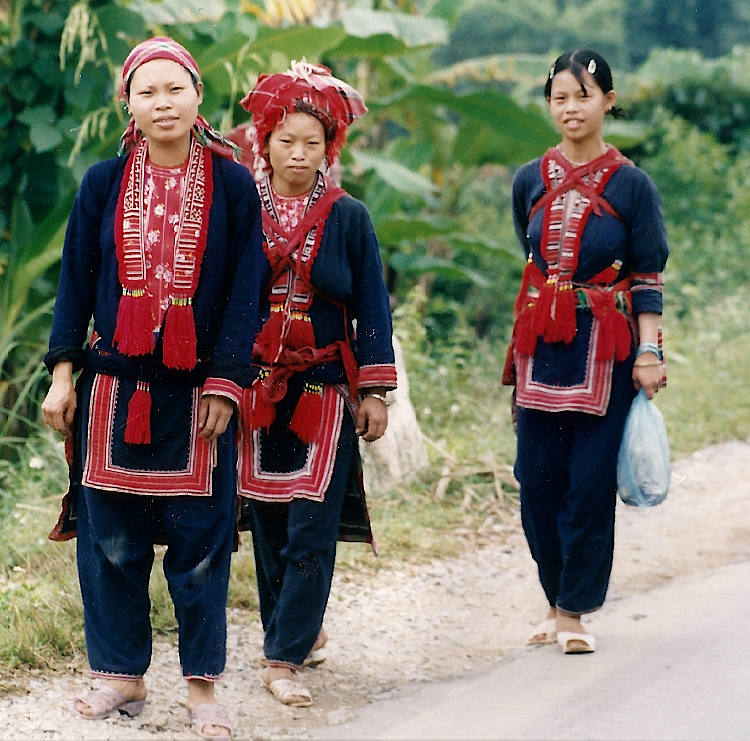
59, 406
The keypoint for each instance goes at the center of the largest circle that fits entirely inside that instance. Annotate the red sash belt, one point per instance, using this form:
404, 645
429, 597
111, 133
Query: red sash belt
259, 402
546, 307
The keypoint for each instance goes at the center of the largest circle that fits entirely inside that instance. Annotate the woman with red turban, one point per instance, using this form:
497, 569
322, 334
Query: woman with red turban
319, 386
163, 250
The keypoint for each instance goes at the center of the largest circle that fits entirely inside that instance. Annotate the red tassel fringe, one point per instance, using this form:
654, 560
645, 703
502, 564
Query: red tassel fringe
300, 332
509, 368
138, 426
526, 338
269, 337
614, 331
622, 338
179, 336
563, 327
263, 412
134, 333
541, 314
308, 414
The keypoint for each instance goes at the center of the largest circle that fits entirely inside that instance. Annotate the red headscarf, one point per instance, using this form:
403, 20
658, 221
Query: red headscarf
162, 47
305, 88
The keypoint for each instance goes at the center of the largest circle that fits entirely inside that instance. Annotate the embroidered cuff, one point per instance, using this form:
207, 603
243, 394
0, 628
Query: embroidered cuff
103, 674
377, 375
204, 677
222, 387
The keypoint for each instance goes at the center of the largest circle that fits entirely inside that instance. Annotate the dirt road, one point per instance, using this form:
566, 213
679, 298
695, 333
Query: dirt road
403, 627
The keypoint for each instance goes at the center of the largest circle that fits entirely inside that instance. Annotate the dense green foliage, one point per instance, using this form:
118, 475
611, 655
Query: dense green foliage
626, 32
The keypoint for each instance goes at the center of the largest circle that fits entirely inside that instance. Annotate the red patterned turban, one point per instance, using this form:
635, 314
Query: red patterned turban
305, 88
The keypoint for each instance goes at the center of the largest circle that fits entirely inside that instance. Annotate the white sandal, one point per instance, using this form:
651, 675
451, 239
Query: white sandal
547, 629
290, 692
316, 657
576, 643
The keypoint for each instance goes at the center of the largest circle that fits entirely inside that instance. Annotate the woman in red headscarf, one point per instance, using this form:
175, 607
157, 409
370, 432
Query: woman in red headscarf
163, 250
319, 387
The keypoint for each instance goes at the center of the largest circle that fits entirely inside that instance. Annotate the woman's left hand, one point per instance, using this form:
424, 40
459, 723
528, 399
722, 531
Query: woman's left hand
372, 419
214, 413
648, 377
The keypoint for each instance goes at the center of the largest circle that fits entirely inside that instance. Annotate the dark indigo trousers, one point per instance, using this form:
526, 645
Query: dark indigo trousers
567, 468
295, 550
116, 533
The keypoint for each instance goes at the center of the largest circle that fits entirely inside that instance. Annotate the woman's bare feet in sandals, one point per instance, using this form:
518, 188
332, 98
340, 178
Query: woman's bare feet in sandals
281, 682
320, 641
572, 636
201, 692
132, 692
546, 631
318, 653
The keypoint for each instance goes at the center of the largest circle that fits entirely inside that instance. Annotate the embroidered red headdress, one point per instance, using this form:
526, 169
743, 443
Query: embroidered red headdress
305, 88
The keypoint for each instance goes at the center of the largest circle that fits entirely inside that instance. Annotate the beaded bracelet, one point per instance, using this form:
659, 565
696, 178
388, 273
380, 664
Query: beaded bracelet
645, 347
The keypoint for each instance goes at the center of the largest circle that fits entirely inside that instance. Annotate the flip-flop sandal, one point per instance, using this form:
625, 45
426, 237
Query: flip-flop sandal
576, 643
547, 629
105, 700
290, 692
210, 714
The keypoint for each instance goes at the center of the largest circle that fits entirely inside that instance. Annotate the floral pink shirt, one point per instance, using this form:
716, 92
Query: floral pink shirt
162, 199
290, 209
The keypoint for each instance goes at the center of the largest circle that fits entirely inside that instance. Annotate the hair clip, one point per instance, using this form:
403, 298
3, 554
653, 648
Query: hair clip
551, 71
592, 67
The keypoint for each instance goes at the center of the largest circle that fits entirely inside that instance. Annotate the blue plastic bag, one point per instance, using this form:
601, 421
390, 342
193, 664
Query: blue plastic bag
643, 459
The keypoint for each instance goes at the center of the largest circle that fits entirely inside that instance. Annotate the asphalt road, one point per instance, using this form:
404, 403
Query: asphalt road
672, 664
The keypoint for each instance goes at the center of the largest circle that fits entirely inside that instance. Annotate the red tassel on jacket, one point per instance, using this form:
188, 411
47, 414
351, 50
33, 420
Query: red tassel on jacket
134, 331
542, 311
562, 327
179, 338
263, 412
268, 339
526, 338
606, 347
308, 414
622, 337
300, 331
138, 426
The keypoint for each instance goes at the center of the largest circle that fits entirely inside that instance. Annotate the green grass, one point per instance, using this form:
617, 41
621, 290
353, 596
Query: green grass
707, 399
466, 492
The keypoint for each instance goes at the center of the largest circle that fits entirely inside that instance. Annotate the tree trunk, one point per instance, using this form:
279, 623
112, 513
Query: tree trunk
400, 454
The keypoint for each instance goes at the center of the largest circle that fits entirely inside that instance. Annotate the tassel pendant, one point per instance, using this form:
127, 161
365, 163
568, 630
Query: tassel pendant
134, 332
138, 426
308, 414
262, 411
562, 327
269, 338
179, 338
300, 331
